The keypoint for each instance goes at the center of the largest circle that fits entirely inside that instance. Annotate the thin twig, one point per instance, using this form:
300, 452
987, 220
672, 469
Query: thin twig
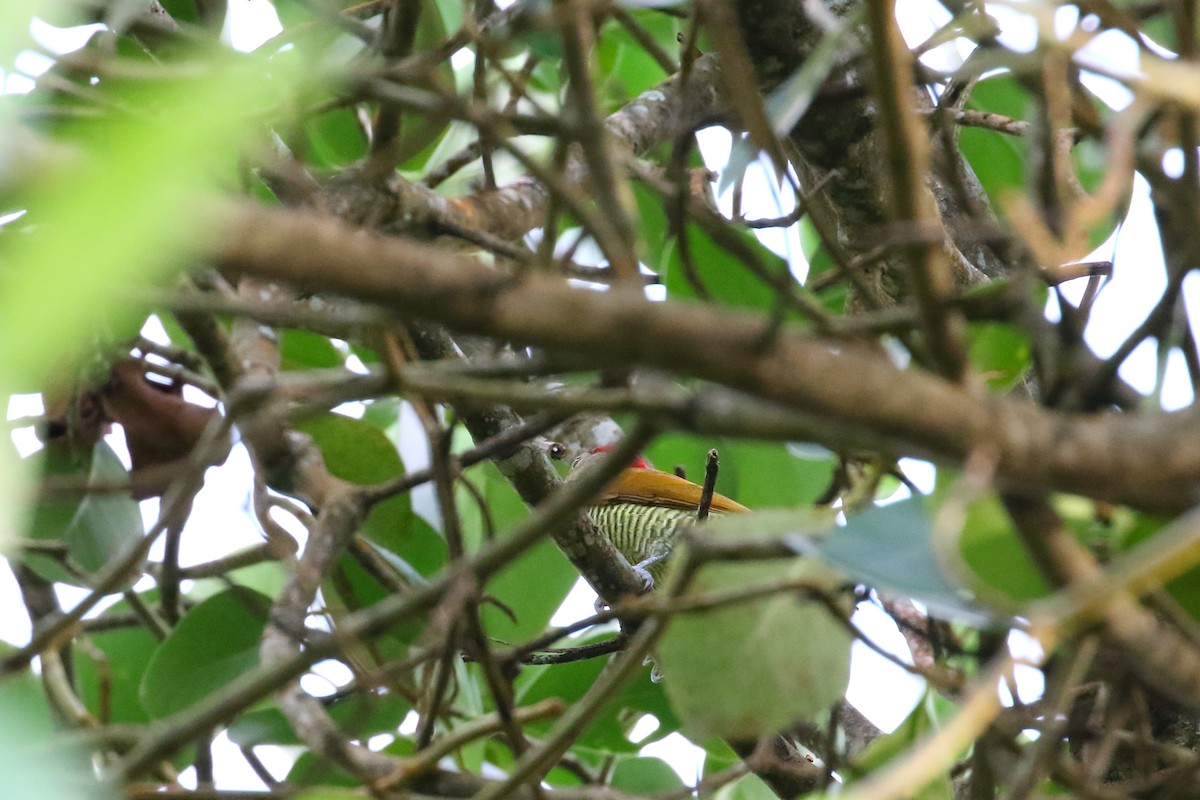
710, 485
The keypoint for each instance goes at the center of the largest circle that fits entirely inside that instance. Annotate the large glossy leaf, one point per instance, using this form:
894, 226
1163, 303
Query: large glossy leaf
214, 643
892, 547
749, 669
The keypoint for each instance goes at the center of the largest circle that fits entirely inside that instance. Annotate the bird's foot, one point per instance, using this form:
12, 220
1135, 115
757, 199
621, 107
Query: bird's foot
642, 569
646, 578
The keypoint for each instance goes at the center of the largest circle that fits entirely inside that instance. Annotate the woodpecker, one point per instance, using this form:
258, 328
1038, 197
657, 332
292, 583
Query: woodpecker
644, 509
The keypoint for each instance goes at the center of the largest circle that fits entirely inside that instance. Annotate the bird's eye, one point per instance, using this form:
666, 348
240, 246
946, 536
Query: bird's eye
557, 451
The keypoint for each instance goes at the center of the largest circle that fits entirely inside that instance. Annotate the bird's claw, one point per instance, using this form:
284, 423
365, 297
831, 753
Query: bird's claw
642, 569
645, 576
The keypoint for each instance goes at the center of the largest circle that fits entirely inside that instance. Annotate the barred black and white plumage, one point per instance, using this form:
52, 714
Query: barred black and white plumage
643, 510
642, 532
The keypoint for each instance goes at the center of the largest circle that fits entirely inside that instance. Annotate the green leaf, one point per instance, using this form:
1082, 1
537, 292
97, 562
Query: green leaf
722, 274
214, 643
182, 10
891, 547
329, 780
627, 68
136, 175
268, 577
794, 481
359, 716
997, 159
382, 413
1000, 352
34, 765
609, 730
1184, 589
997, 560
329, 793
1092, 164
96, 526
335, 139
645, 776
109, 670
357, 451
749, 669
301, 349
535, 585
747, 787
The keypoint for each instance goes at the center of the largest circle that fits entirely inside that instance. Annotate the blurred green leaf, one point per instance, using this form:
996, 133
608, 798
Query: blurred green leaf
1185, 589
892, 745
747, 787
765, 474
534, 586
1000, 352
335, 139
756, 474
892, 547
609, 731
724, 276
328, 793
627, 69
35, 767
645, 775
997, 159
120, 201
93, 527
329, 780
992, 550
300, 349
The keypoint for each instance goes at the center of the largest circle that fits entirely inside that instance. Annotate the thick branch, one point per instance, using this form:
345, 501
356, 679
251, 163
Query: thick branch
1150, 461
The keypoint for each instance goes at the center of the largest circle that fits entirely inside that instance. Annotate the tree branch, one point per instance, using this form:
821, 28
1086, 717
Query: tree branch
1150, 461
